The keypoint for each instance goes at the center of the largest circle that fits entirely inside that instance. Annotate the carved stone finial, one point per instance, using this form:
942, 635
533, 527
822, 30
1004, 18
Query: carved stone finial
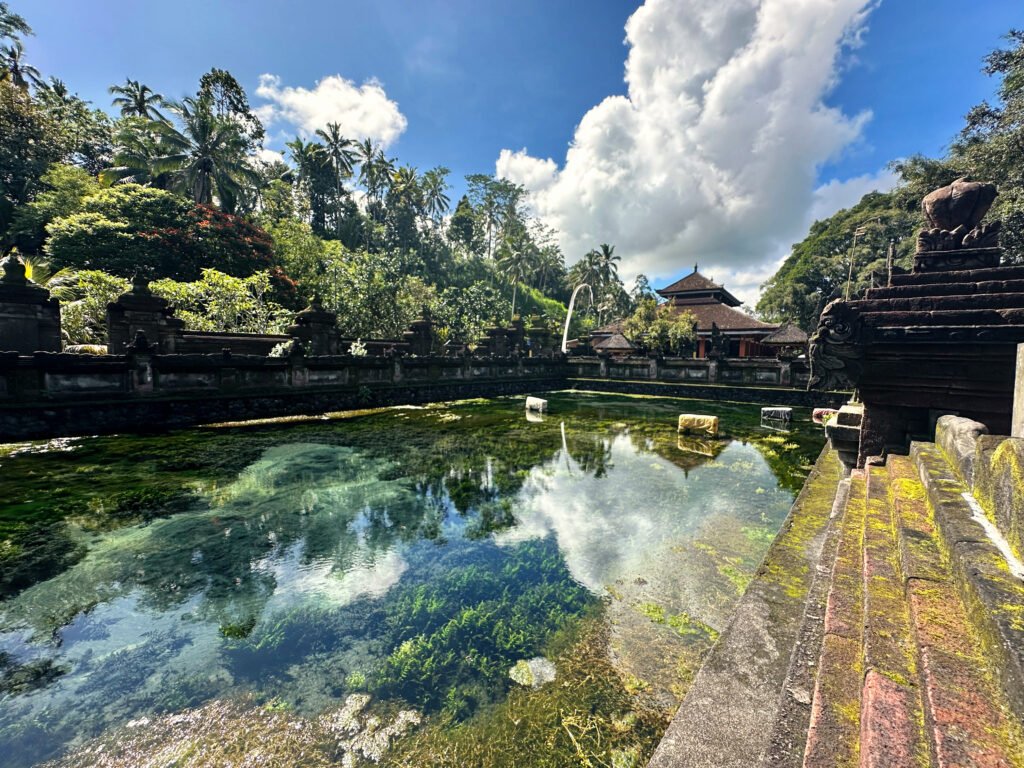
14, 271
140, 285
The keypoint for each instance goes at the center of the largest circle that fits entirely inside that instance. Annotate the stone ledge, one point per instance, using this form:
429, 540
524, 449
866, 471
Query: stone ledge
993, 596
956, 437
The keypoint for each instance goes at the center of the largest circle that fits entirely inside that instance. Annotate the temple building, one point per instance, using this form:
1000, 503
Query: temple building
716, 309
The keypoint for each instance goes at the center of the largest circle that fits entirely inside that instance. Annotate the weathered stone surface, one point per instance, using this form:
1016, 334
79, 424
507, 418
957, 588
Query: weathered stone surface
891, 735
920, 557
832, 739
999, 485
966, 723
956, 437
888, 647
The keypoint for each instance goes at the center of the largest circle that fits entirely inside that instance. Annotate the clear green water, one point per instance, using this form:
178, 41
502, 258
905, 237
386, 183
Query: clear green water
373, 587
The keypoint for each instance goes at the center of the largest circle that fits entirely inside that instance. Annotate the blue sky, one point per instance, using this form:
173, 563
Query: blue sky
461, 81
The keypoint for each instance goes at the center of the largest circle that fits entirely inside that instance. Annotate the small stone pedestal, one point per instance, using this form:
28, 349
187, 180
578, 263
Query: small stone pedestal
29, 318
960, 259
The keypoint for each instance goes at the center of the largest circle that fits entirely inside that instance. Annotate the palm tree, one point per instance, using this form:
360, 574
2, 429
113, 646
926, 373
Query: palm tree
339, 150
135, 99
517, 260
138, 153
206, 157
16, 71
11, 24
366, 152
435, 186
607, 264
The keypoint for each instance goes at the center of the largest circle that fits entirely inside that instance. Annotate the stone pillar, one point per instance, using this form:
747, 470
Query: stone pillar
1018, 395
712, 370
420, 336
316, 329
497, 341
139, 310
29, 318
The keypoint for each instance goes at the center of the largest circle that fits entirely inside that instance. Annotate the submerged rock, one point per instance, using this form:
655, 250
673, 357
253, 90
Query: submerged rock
533, 673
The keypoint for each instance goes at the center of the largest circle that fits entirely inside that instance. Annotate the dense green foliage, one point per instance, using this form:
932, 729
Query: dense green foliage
172, 189
989, 148
659, 330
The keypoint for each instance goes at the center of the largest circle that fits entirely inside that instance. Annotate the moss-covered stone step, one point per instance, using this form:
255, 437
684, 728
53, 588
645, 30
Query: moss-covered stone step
919, 553
892, 731
966, 723
992, 595
833, 736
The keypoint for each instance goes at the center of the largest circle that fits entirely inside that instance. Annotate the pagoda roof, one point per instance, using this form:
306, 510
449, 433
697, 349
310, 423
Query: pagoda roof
695, 283
788, 333
710, 312
614, 342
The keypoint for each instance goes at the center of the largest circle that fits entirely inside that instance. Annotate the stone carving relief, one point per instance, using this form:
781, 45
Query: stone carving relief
835, 351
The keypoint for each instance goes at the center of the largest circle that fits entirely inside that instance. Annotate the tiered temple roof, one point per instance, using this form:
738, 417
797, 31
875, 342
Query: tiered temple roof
711, 304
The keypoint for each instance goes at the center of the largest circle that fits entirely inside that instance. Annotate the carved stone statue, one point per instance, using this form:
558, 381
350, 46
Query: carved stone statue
960, 204
956, 238
835, 352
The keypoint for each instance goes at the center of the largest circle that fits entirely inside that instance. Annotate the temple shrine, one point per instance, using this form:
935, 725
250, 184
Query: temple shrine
716, 312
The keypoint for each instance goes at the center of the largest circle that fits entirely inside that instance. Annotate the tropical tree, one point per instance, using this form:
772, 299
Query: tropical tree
11, 24
206, 157
607, 264
134, 99
435, 197
516, 260
339, 150
14, 70
227, 99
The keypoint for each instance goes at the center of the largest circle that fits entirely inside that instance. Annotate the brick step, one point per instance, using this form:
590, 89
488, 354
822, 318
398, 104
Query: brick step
966, 720
960, 276
833, 737
891, 706
946, 289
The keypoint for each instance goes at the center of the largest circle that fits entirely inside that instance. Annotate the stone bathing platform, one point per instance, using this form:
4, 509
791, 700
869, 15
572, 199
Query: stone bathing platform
885, 626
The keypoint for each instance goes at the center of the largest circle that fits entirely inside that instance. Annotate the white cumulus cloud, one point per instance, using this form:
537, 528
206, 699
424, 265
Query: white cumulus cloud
363, 111
713, 154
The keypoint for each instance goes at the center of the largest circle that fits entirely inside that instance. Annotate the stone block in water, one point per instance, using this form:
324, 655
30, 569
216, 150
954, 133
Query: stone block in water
536, 404
777, 414
698, 424
821, 415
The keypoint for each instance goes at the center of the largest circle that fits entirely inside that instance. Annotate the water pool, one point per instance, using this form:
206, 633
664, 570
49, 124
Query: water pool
451, 585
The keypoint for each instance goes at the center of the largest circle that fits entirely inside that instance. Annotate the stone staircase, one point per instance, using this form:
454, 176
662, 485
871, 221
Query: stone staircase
922, 657
885, 627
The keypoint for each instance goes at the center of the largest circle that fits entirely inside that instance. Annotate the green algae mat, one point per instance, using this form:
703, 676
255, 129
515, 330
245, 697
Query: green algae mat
461, 584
